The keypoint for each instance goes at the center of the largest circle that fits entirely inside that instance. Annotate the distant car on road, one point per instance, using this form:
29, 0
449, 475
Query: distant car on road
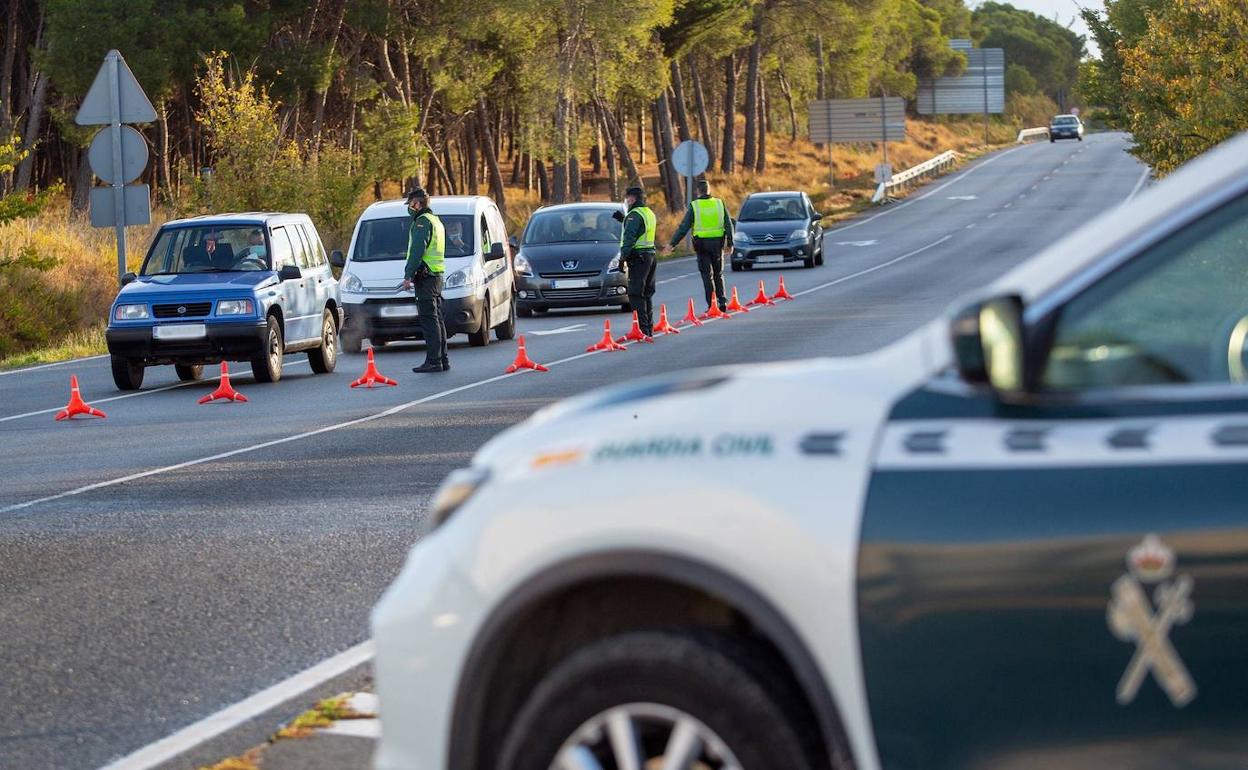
1017, 538
1065, 127
569, 256
777, 228
228, 287
477, 288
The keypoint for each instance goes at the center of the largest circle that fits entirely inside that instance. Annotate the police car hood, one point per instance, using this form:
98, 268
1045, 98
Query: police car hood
827, 396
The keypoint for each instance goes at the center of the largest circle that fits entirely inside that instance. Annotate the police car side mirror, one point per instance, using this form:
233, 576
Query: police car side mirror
496, 252
337, 259
128, 278
989, 345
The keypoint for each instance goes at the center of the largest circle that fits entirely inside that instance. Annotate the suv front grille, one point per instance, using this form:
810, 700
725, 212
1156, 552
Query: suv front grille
769, 238
189, 310
572, 274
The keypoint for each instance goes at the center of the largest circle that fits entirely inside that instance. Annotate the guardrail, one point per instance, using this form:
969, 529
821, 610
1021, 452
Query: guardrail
1027, 133
904, 178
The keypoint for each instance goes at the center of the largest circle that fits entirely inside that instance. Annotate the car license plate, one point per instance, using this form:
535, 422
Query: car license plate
398, 311
770, 258
180, 332
574, 284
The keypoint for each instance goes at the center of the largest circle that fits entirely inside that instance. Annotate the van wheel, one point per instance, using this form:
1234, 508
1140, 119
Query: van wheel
324, 358
267, 367
189, 372
647, 687
507, 329
127, 373
481, 337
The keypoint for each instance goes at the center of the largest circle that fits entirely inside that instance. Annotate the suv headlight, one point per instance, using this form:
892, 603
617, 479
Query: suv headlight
456, 489
235, 307
468, 278
740, 237
130, 313
352, 284
798, 235
522, 266
614, 265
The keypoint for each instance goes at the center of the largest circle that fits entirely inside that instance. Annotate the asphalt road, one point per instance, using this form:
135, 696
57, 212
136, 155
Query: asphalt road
172, 559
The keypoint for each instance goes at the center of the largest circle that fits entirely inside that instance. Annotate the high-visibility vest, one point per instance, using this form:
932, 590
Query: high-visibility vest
708, 218
435, 252
646, 239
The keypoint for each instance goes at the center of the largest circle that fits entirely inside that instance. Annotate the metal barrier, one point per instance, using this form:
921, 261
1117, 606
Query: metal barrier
928, 167
1028, 133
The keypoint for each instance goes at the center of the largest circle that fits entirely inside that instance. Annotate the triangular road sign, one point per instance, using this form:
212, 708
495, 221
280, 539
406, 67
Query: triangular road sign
97, 108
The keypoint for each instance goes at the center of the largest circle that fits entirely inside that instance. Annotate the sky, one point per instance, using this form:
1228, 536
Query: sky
1064, 10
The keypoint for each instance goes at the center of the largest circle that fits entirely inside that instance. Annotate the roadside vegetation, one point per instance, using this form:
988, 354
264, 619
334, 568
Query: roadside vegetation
327, 105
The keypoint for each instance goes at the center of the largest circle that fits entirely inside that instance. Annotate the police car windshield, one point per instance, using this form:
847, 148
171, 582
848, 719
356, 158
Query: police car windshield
771, 209
581, 225
207, 249
386, 239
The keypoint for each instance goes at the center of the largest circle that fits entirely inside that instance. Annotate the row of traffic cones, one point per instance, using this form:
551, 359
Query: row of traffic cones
78, 408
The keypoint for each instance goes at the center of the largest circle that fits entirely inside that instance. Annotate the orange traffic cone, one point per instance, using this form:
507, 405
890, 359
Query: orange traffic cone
663, 327
607, 342
714, 312
762, 298
372, 377
524, 362
224, 391
782, 293
634, 334
734, 305
76, 405
692, 316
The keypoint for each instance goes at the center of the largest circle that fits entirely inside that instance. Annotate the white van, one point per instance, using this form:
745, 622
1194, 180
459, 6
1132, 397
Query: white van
478, 291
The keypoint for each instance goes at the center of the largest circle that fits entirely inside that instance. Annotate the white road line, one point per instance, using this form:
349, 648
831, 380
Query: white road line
910, 201
971, 226
674, 278
25, 369
992, 214
183, 740
131, 395
228, 718
1143, 178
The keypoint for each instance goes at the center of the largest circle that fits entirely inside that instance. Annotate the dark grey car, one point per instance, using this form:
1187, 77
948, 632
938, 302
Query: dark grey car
777, 228
569, 256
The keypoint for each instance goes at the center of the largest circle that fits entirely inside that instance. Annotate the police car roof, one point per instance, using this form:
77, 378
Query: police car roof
441, 204
236, 218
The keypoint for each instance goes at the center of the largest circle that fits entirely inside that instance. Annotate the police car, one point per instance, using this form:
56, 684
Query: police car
1017, 538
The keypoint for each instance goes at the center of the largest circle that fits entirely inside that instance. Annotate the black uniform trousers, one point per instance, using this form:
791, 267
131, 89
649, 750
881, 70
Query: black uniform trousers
641, 267
710, 253
429, 307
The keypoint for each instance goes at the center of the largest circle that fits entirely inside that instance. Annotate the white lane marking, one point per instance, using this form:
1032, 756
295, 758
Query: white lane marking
963, 197
1024, 195
856, 243
673, 278
1143, 178
228, 718
880, 266
25, 369
910, 201
354, 728
1006, 206
131, 395
992, 214
560, 330
970, 226
1034, 186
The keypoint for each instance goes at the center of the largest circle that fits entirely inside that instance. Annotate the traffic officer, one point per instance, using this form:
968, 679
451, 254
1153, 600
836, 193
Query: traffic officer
712, 239
426, 250
637, 254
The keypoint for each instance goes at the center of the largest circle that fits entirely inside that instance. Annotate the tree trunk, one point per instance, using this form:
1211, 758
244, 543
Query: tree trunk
659, 160
81, 195
752, 92
641, 136
318, 117
448, 168
574, 178
559, 164
162, 154
727, 156
543, 183
704, 124
821, 88
788, 98
497, 191
515, 169
613, 173
6, 70
764, 125
470, 135
33, 126
678, 101
675, 195
616, 140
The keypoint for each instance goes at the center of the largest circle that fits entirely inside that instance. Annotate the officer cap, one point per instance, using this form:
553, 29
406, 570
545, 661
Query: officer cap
636, 192
417, 193
704, 187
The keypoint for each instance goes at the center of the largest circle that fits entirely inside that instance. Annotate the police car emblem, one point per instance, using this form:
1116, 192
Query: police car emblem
1132, 618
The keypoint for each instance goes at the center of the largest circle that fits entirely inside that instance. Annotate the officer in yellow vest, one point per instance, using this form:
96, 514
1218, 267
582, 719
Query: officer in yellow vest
637, 254
712, 238
426, 262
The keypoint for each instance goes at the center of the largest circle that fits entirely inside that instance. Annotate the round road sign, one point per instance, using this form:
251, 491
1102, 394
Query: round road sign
690, 158
133, 155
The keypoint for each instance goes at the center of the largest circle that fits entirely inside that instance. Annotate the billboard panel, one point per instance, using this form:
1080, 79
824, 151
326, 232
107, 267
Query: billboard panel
981, 88
858, 120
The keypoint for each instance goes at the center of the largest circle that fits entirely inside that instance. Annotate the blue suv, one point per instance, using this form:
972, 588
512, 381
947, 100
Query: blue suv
229, 287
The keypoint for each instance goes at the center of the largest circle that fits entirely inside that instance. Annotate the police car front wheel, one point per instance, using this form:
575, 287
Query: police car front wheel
641, 699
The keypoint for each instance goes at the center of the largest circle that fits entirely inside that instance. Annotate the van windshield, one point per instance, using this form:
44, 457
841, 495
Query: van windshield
386, 239
207, 249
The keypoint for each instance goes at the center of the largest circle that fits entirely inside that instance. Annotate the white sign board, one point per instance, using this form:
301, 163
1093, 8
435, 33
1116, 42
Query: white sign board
136, 207
690, 158
880, 119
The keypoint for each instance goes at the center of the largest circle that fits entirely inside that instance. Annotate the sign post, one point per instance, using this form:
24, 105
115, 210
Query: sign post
690, 158
118, 153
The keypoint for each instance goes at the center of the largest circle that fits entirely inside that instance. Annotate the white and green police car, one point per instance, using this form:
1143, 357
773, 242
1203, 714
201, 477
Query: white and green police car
1016, 539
